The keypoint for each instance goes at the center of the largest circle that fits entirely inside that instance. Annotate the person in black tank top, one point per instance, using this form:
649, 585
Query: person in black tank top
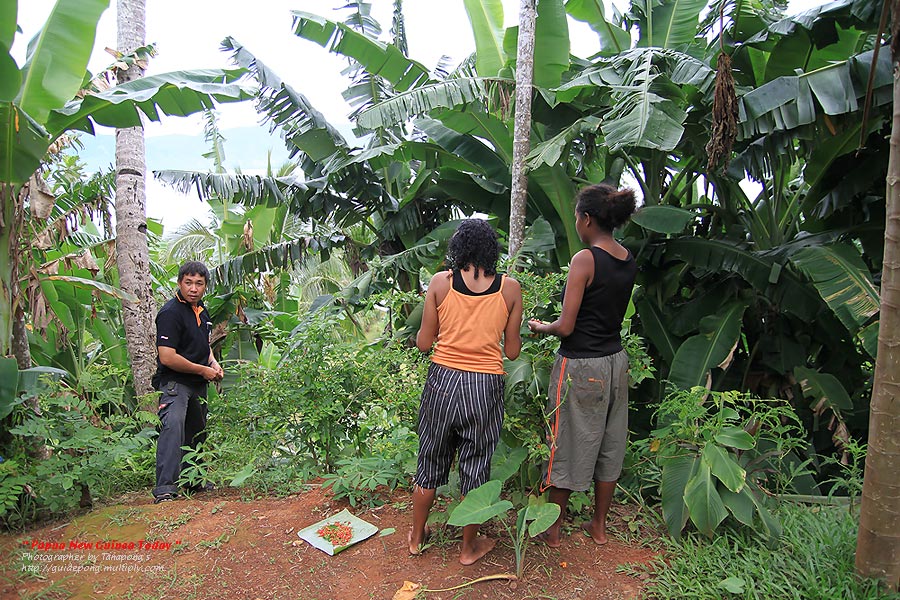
587, 410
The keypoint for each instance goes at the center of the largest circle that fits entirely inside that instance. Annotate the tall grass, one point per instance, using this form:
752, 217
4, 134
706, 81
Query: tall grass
812, 560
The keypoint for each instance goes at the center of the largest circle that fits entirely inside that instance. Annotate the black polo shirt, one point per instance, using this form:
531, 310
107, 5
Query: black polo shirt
178, 326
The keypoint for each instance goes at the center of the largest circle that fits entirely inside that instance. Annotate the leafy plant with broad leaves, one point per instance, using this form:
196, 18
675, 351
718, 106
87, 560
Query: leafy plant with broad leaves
716, 450
482, 504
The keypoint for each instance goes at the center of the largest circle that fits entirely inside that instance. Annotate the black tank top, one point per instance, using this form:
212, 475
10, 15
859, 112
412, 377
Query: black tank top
598, 325
460, 286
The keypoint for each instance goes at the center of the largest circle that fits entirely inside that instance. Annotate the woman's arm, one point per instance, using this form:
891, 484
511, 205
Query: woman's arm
581, 271
512, 335
428, 330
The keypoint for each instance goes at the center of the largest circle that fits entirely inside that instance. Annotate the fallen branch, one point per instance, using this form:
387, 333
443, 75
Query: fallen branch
410, 590
507, 576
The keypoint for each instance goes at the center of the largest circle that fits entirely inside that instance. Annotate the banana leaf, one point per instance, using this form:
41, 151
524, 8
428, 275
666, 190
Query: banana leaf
468, 147
703, 501
303, 127
717, 256
178, 93
740, 505
55, 67
423, 99
668, 23
550, 152
378, 58
9, 378
656, 329
824, 388
474, 121
95, 286
724, 467
664, 219
551, 43
277, 256
8, 20
787, 102
248, 190
486, 19
843, 281
676, 473
560, 192
613, 39
713, 347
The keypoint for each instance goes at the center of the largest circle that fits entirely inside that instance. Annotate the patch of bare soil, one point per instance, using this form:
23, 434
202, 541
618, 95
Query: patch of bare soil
223, 544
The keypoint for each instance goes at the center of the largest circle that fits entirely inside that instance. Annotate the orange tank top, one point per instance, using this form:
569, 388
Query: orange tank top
469, 331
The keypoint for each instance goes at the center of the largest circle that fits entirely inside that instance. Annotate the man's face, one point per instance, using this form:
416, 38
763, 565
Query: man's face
192, 287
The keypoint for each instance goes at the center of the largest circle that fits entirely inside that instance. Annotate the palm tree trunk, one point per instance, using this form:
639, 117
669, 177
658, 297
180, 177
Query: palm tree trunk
878, 542
518, 194
132, 250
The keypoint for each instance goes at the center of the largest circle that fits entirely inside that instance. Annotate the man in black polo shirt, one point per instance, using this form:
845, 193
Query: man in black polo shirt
184, 366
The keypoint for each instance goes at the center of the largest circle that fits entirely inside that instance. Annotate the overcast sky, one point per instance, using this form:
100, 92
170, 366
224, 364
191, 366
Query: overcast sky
188, 33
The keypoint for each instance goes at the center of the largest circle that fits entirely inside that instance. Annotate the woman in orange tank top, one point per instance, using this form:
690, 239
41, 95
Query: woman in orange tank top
469, 310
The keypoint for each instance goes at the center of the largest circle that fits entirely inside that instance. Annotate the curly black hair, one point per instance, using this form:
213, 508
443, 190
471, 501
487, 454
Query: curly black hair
474, 243
611, 208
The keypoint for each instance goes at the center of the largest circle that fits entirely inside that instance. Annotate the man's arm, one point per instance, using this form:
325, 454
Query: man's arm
220, 372
170, 358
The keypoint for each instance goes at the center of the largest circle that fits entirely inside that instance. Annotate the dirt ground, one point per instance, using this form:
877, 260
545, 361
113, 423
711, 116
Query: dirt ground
226, 544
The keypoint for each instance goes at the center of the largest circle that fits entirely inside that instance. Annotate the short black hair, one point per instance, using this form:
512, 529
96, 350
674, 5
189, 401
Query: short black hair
611, 208
474, 243
193, 267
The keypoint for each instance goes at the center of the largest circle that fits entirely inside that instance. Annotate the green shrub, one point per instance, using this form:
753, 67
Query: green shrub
92, 447
327, 401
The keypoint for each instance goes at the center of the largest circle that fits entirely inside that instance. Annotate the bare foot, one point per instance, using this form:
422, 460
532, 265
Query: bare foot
548, 538
599, 538
480, 547
416, 548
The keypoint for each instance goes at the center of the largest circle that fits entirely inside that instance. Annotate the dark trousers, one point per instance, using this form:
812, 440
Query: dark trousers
183, 416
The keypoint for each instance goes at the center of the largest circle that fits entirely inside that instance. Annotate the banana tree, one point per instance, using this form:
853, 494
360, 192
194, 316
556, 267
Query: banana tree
41, 100
385, 188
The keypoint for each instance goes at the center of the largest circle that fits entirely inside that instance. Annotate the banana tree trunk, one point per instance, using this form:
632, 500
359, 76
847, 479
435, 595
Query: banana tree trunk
9, 199
878, 542
132, 249
518, 194
20, 347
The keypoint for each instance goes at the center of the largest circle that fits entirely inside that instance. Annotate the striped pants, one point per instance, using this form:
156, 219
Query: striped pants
462, 412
